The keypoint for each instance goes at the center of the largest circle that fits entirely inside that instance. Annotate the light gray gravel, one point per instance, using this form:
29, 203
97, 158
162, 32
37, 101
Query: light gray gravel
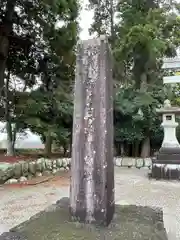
132, 187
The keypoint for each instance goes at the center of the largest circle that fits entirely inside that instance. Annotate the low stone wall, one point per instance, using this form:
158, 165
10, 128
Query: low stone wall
133, 162
24, 170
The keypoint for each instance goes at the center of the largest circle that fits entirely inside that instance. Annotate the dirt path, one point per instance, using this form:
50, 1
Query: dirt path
20, 203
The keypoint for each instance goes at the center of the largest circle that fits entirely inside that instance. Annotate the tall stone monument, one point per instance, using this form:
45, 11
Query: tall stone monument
92, 168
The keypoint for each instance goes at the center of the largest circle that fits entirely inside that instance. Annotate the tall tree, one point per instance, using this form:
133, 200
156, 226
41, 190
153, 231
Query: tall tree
146, 33
104, 16
23, 24
40, 46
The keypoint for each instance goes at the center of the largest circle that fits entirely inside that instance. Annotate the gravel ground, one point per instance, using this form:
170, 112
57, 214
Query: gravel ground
132, 187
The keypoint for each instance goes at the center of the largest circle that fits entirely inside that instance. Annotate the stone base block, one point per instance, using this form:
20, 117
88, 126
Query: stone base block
168, 156
167, 164
12, 236
129, 223
165, 171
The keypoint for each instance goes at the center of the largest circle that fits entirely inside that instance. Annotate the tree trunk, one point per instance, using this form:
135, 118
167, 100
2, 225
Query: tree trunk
122, 149
65, 150
145, 150
2, 70
136, 149
4, 39
14, 134
48, 144
126, 149
10, 149
129, 150
133, 150
143, 82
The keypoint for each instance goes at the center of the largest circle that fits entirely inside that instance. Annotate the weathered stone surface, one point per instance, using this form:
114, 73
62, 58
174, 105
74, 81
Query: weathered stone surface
54, 164
92, 178
166, 165
42, 162
59, 162
63, 202
165, 171
17, 170
54, 171
11, 180
32, 167
139, 162
39, 165
6, 172
61, 169
25, 167
36, 168
129, 223
38, 174
127, 162
12, 236
118, 162
64, 162
48, 163
22, 179
147, 162
68, 160
30, 176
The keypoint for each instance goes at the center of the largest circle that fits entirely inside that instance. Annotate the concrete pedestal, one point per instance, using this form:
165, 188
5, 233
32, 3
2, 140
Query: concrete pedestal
167, 164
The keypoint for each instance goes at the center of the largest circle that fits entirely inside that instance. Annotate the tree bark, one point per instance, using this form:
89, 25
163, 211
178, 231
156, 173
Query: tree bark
65, 150
6, 28
10, 148
48, 144
126, 149
136, 149
2, 70
145, 150
14, 134
122, 149
143, 83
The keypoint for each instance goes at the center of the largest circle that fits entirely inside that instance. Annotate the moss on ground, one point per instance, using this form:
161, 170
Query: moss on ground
130, 223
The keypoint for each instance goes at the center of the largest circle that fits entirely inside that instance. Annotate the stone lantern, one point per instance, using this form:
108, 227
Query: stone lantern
167, 162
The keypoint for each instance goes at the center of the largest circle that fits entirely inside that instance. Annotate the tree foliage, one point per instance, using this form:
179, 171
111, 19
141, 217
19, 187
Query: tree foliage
144, 32
39, 51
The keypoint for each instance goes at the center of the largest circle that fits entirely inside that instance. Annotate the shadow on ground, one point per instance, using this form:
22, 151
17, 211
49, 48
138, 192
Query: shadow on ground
130, 223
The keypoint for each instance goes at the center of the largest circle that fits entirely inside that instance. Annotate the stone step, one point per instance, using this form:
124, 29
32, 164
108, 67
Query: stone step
167, 161
170, 172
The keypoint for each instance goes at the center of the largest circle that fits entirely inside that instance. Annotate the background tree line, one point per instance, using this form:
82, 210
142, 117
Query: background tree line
37, 61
